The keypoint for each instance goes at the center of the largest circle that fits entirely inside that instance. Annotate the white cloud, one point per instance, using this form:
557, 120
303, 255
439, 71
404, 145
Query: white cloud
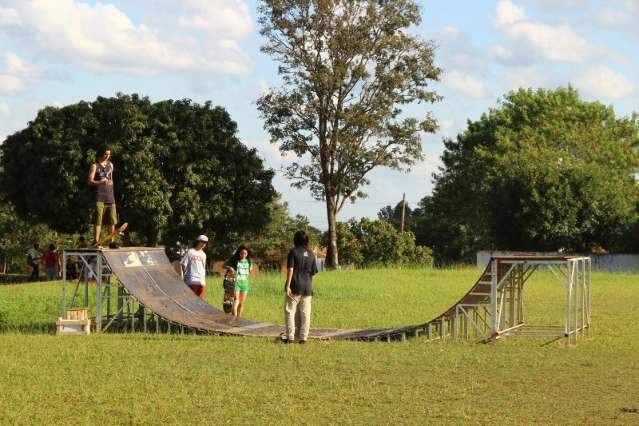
4, 108
231, 18
502, 53
15, 72
602, 82
466, 84
10, 84
17, 66
524, 77
457, 50
507, 14
557, 43
101, 37
555, 5
619, 16
632, 5
9, 16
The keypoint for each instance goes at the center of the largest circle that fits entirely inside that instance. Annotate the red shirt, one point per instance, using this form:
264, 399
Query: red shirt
50, 259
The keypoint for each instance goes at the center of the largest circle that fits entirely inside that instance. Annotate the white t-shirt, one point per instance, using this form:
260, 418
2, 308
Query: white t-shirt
35, 255
194, 262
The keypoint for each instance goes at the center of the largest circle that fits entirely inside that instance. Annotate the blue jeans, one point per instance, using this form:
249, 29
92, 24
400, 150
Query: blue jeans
35, 272
51, 273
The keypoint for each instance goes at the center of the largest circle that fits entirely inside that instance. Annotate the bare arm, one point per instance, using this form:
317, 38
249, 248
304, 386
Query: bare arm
110, 179
289, 278
91, 179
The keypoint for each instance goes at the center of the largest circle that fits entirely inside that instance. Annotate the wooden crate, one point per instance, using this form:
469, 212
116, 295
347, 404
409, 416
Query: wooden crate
76, 322
69, 327
78, 314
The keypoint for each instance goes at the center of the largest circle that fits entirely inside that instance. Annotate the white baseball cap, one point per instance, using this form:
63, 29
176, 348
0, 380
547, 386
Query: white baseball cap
202, 238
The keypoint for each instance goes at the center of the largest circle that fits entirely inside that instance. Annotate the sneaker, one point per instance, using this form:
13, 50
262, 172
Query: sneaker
302, 342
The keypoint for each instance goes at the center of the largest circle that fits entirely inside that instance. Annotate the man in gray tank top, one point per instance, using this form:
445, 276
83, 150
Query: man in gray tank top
101, 177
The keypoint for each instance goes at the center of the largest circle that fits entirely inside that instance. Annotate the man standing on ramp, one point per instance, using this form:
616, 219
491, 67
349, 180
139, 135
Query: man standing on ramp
101, 176
194, 266
299, 288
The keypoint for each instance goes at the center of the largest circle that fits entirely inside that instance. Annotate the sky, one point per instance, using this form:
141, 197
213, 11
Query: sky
58, 52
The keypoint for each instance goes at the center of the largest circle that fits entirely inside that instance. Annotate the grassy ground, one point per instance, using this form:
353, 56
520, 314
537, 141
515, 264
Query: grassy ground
149, 379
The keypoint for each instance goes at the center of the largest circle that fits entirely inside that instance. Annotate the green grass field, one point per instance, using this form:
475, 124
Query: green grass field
151, 379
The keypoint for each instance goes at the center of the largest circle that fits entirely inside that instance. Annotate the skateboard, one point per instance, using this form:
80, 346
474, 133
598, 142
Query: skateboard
112, 235
229, 292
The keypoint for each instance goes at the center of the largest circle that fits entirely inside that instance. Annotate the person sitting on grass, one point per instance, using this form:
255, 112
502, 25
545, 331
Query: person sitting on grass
241, 266
194, 266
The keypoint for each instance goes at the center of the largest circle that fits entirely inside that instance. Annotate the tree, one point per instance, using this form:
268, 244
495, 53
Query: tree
275, 239
393, 215
376, 242
543, 171
348, 68
180, 169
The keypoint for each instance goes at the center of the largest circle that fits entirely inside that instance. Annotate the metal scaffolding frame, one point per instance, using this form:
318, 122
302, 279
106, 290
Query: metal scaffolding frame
115, 307
495, 308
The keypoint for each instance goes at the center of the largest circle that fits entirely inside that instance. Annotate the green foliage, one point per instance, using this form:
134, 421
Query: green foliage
393, 215
543, 171
180, 169
349, 67
17, 236
275, 239
377, 242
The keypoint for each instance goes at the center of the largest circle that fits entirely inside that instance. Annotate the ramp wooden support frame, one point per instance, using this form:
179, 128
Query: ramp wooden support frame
114, 306
148, 296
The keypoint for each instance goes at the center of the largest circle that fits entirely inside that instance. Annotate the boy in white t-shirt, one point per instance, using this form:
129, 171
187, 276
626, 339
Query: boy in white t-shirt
194, 266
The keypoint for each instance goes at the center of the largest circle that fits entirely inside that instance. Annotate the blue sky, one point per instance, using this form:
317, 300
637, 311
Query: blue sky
56, 52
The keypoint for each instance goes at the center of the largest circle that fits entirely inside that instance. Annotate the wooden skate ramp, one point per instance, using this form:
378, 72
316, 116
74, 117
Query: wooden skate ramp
149, 276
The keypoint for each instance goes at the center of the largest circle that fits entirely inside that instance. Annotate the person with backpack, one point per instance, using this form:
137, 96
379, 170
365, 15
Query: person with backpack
33, 260
241, 266
301, 267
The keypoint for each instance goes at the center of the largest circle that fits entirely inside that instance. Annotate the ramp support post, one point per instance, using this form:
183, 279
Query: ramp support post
493, 296
98, 289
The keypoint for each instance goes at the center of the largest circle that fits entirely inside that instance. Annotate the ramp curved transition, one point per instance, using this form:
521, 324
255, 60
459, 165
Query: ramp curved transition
148, 276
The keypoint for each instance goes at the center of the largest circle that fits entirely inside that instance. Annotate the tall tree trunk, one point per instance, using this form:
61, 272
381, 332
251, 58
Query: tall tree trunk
331, 214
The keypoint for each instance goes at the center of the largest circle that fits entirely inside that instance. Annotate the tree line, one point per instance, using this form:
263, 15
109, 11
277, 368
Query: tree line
544, 170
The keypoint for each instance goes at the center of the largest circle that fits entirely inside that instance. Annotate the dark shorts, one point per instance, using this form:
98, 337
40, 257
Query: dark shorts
100, 208
199, 290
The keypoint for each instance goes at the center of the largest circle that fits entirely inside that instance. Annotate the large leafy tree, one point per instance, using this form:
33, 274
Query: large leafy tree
180, 169
377, 242
349, 67
545, 170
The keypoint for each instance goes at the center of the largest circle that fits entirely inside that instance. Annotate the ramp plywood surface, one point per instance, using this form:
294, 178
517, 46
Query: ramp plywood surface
152, 280
149, 276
